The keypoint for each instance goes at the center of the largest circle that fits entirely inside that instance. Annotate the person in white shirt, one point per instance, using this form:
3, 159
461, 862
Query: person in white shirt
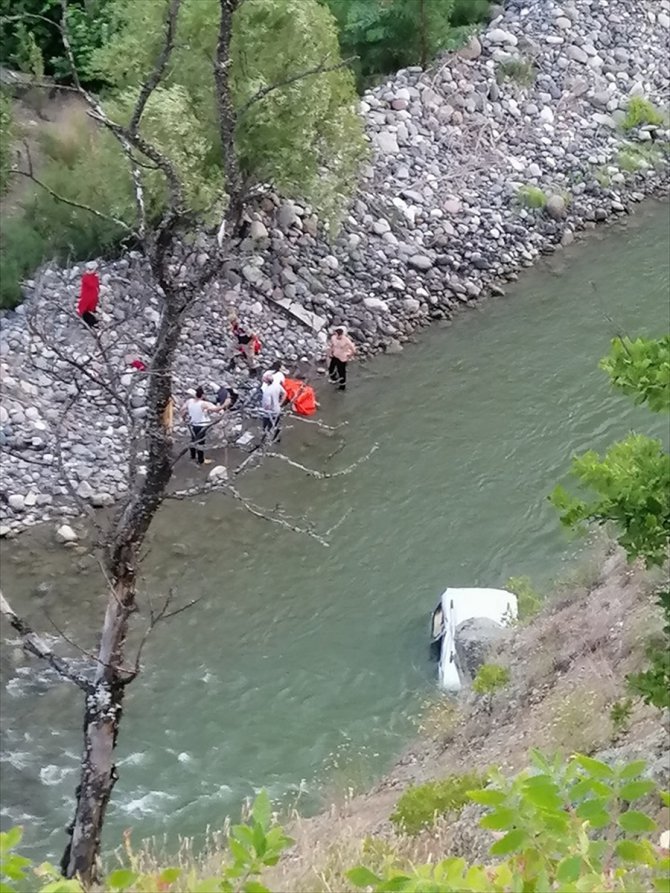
275, 371
196, 412
272, 397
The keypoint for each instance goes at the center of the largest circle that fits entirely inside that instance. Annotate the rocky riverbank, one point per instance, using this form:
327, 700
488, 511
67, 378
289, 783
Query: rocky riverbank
549, 122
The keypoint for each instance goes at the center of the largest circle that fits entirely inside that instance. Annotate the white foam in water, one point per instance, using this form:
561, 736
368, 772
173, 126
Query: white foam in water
133, 759
17, 759
185, 758
145, 805
52, 775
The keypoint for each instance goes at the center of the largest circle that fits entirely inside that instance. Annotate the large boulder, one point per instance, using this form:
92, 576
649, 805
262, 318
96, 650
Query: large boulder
473, 640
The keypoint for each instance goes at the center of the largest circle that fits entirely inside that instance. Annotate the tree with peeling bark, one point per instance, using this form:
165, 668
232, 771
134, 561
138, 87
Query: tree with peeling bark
158, 230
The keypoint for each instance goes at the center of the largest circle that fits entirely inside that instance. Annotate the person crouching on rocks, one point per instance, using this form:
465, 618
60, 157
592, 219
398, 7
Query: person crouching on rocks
248, 346
196, 413
340, 350
226, 397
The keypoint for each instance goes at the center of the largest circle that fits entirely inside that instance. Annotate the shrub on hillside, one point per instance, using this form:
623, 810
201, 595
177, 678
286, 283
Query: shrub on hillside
529, 601
419, 806
489, 678
22, 250
6, 137
640, 111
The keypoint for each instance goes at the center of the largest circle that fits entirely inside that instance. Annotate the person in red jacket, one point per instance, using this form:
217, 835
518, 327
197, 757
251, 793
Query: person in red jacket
88, 298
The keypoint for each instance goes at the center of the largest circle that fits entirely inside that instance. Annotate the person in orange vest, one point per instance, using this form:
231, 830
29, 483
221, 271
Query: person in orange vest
88, 298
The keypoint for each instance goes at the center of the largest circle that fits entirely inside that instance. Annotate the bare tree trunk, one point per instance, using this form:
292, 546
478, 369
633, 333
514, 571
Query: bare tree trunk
423, 34
104, 703
227, 117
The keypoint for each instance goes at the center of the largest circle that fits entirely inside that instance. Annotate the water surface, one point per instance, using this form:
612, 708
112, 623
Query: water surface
295, 652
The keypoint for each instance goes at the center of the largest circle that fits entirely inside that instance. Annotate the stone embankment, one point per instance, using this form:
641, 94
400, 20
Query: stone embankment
550, 121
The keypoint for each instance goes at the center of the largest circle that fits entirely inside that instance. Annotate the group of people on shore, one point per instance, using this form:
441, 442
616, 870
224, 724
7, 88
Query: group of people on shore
276, 390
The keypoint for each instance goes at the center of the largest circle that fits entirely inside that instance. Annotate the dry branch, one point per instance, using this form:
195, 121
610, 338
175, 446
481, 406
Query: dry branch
36, 645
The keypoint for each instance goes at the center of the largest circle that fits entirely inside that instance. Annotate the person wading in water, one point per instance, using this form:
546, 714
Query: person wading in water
196, 412
273, 397
341, 349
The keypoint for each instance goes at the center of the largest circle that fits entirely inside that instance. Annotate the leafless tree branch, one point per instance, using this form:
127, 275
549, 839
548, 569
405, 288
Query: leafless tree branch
36, 645
323, 475
321, 68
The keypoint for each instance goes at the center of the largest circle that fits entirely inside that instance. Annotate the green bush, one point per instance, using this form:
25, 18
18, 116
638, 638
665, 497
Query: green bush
386, 36
532, 197
489, 678
34, 45
420, 805
6, 138
640, 111
529, 601
653, 684
22, 250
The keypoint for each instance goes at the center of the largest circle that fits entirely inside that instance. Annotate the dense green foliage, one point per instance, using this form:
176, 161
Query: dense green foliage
6, 137
305, 136
420, 805
385, 35
564, 827
641, 369
33, 44
48, 228
577, 827
630, 486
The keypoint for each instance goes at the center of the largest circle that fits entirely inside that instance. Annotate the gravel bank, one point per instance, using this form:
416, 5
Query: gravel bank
496, 155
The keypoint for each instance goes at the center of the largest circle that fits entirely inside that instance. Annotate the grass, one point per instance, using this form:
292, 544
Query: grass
420, 805
522, 71
529, 600
636, 157
639, 112
532, 197
440, 719
580, 722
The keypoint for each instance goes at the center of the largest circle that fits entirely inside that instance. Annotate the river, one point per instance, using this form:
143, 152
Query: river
299, 658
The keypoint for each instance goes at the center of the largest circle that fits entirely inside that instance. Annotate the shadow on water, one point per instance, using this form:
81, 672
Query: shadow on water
295, 650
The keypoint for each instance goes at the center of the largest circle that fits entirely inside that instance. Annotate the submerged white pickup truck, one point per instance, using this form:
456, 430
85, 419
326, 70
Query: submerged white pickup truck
455, 606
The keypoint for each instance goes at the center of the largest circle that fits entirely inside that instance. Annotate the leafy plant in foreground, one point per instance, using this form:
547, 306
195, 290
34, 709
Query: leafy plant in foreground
630, 487
565, 827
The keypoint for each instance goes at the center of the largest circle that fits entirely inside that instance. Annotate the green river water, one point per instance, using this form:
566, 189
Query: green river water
296, 652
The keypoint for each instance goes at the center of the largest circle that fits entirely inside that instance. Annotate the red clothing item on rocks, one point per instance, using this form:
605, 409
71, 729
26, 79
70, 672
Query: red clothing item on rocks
89, 293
